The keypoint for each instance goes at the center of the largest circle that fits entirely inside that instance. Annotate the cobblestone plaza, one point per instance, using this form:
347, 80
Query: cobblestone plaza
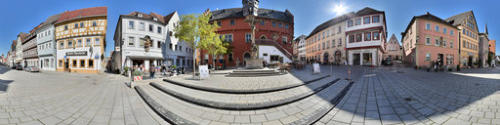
375, 96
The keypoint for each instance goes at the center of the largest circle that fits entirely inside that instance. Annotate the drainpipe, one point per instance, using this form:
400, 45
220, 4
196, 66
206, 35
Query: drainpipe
459, 48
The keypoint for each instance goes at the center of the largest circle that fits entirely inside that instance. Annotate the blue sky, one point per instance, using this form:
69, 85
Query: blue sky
23, 15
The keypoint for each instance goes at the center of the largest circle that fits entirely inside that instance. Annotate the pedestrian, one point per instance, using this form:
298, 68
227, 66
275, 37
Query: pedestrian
152, 71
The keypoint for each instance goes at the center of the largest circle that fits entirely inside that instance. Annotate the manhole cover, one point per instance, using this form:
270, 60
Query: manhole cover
408, 99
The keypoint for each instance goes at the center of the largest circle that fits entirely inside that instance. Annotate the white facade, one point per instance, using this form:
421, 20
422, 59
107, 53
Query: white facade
133, 32
365, 37
46, 46
301, 48
19, 51
176, 52
267, 51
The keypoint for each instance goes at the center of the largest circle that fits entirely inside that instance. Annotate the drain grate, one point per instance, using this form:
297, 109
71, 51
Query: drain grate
408, 99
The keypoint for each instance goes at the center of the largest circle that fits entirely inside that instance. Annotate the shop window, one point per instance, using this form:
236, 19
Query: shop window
82, 63
91, 63
74, 64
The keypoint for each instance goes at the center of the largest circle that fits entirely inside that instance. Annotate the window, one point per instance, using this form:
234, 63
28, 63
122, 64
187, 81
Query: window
333, 43
444, 31
358, 37
376, 36
340, 30
150, 28
228, 37
451, 44
94, 23
284, 39
131, 41
349, 23
444, 43
428, 26
451, 32
262, 22
180, 48
170, 46
323, 36
87, 43
61, 45
248, 37
76, 25
366, 20
437, 42
82, 63
97, 41
65, 27
274, 24
428, 57
376, 19
60, 63
323, 47
280, 25
368, 36
81, 25
79, 43
427, 41
351, 38
159, 44
358, 21
74, 64
232, 22
91, 63
286, 26
463, 44
159, 30
142, 26
70, 44
340, 42
219, 23
437, 28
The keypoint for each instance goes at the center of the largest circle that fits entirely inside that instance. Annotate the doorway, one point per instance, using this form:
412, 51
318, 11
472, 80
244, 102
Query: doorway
356, 59
66, 65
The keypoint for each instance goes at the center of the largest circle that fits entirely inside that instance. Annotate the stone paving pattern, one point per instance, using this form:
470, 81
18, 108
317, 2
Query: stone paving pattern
52, 98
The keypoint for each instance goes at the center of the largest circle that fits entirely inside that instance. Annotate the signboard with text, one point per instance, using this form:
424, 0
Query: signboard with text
316, 68
77, 53
204, 72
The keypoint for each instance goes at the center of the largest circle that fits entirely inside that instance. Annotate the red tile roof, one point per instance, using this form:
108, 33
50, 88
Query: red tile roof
83, 13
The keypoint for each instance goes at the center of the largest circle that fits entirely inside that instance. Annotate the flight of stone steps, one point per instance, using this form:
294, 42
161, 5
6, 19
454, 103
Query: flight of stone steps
304, 103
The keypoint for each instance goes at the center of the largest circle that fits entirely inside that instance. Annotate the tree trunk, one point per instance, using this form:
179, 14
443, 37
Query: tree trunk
213, 60
194, 63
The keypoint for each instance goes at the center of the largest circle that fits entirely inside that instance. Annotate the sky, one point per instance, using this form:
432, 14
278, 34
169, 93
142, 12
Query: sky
23, 15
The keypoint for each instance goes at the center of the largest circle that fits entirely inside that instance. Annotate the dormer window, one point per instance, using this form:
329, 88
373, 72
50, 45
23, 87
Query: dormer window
139, 15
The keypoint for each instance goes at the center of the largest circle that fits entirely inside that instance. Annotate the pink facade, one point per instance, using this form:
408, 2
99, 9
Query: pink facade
433, 41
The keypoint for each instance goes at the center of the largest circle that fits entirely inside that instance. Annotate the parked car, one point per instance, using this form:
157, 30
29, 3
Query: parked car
387, 62
19, 67
32, 69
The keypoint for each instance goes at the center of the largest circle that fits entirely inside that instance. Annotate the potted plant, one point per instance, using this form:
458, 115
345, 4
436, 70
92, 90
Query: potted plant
125, 70
137, 75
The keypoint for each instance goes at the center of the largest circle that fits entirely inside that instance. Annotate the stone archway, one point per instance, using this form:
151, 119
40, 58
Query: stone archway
326, 57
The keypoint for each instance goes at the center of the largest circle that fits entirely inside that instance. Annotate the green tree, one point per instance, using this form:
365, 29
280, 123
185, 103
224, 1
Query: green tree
209, 39
200, 33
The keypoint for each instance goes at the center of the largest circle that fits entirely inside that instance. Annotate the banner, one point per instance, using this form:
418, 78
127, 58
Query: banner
316, 68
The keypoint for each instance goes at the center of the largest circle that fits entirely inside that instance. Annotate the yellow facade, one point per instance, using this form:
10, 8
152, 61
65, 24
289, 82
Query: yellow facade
85, 36
469, 52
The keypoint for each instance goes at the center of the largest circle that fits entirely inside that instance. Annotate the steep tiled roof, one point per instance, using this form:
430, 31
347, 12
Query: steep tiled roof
169, 16
457, 19
82, 13
367, 11
263, 13
159, 18
330, 22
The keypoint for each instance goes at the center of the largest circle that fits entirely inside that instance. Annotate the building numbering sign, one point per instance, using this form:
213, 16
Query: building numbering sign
204, 71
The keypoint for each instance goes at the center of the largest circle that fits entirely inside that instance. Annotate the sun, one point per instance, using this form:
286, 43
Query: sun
339, 9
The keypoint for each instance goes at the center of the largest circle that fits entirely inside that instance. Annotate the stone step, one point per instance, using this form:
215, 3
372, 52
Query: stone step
243, 91
245, 101
305, 111
262, 70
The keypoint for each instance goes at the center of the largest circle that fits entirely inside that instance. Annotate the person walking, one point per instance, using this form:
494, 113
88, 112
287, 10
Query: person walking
152, 71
